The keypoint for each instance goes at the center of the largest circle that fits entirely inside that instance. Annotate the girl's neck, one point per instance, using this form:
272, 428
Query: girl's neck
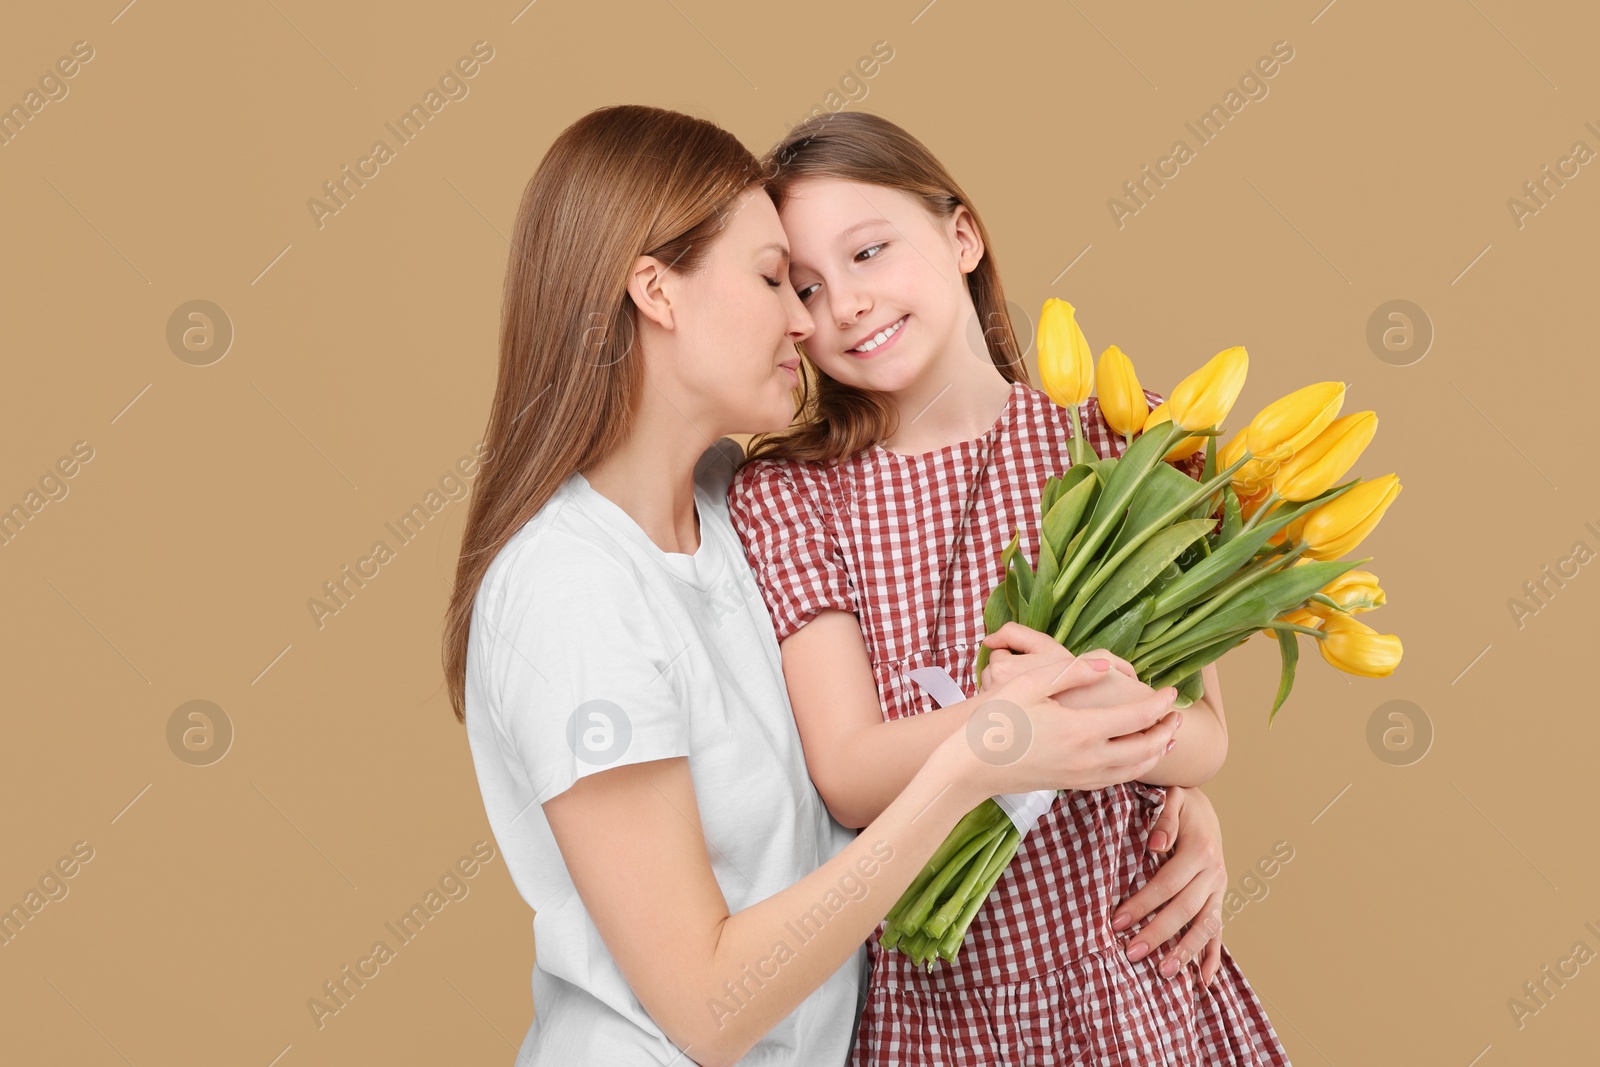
943, 408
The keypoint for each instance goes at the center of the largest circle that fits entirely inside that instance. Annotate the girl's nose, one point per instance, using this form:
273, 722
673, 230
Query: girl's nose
848, 306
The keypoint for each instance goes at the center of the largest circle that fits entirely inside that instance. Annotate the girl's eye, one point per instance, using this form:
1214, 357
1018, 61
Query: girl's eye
872, 249
774, 282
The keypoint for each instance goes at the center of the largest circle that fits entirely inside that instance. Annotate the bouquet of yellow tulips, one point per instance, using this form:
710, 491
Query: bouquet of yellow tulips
1169, 573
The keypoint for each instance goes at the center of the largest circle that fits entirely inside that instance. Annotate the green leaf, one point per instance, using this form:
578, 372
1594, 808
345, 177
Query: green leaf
1161, 491
1232, 517
1110, 509
1058, 598
1190, 689
1225, 560
1327, 601
1064, 519
1121, 633
1255, 605
1164, 675
1048, 493
1289, 646
1019, 564
1009, 583
1137, 572
995, 614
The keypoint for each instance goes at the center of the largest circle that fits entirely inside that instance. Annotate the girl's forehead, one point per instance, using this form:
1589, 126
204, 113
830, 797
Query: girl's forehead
820, 219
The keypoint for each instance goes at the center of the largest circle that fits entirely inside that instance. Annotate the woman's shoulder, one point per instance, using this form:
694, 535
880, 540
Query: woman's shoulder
561, 546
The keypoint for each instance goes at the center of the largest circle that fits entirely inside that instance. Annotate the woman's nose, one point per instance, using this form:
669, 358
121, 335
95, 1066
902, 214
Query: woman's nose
801, 324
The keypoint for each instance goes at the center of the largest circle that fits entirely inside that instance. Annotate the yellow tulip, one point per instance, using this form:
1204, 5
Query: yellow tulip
1356, 648
1184, 448
1354, 591
1318, 466
1250, 503
1229, 453
1205, 397
1288, 424
1066, 365
1122, 401
1339, 525
1249, 481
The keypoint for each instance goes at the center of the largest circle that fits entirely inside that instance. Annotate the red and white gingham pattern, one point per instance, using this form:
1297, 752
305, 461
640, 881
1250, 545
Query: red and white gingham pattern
1041, 978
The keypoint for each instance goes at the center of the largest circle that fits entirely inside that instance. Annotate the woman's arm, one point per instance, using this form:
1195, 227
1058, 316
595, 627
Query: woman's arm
714, 982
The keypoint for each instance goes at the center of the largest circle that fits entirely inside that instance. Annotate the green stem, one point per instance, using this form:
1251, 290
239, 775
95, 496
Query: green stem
951, 942
1266, 506
917, 917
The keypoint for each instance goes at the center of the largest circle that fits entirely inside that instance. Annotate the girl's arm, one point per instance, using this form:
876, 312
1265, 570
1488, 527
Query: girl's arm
714, 981
859, 762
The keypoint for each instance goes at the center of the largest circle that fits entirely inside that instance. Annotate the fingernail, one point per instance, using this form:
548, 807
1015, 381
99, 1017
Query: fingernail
1171, 743
1100, 664
1180, 720
1122, 921
1169, 967
1158, 840
1138, 951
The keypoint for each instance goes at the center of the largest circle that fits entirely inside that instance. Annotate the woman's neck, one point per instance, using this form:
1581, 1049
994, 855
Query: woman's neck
651, 477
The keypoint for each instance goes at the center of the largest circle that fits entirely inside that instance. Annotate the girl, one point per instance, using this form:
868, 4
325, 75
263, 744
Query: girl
874, 525
610, 655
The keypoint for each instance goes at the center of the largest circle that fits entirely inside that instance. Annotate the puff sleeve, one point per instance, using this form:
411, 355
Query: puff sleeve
789, 542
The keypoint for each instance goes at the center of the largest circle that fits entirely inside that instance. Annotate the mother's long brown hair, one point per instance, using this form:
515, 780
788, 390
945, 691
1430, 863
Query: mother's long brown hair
836, 421
621, 182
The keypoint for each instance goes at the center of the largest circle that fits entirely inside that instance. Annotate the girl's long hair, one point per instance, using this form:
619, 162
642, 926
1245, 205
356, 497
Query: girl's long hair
620, 182
836, 421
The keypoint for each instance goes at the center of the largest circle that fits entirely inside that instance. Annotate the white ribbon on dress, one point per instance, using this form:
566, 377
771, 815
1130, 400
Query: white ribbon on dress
1024, 809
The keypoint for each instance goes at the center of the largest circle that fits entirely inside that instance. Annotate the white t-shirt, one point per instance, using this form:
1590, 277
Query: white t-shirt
589, 648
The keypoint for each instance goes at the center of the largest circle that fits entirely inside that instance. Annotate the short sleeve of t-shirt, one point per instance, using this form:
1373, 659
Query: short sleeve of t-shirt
789, 543
576, 663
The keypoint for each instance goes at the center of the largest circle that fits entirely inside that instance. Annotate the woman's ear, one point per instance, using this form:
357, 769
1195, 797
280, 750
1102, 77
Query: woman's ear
647, 286
968, 242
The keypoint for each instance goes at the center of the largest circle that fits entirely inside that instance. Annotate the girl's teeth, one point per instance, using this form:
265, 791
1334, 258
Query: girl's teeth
874, 342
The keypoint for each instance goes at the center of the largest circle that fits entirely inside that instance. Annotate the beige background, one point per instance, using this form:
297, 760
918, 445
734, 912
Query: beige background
220, 498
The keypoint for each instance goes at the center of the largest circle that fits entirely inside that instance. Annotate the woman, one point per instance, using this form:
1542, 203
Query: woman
615, 665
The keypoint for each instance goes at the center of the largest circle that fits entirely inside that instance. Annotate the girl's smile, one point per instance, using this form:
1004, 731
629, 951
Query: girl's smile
879, 340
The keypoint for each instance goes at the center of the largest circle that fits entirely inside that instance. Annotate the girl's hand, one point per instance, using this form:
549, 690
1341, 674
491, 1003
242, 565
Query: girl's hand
1193, 880
1016, 739
1016, 649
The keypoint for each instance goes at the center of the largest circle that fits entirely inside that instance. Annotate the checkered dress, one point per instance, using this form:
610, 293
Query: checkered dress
1041, 978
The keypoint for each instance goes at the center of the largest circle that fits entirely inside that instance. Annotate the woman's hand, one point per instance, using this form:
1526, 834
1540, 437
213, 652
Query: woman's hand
1016, 740
1191, 881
